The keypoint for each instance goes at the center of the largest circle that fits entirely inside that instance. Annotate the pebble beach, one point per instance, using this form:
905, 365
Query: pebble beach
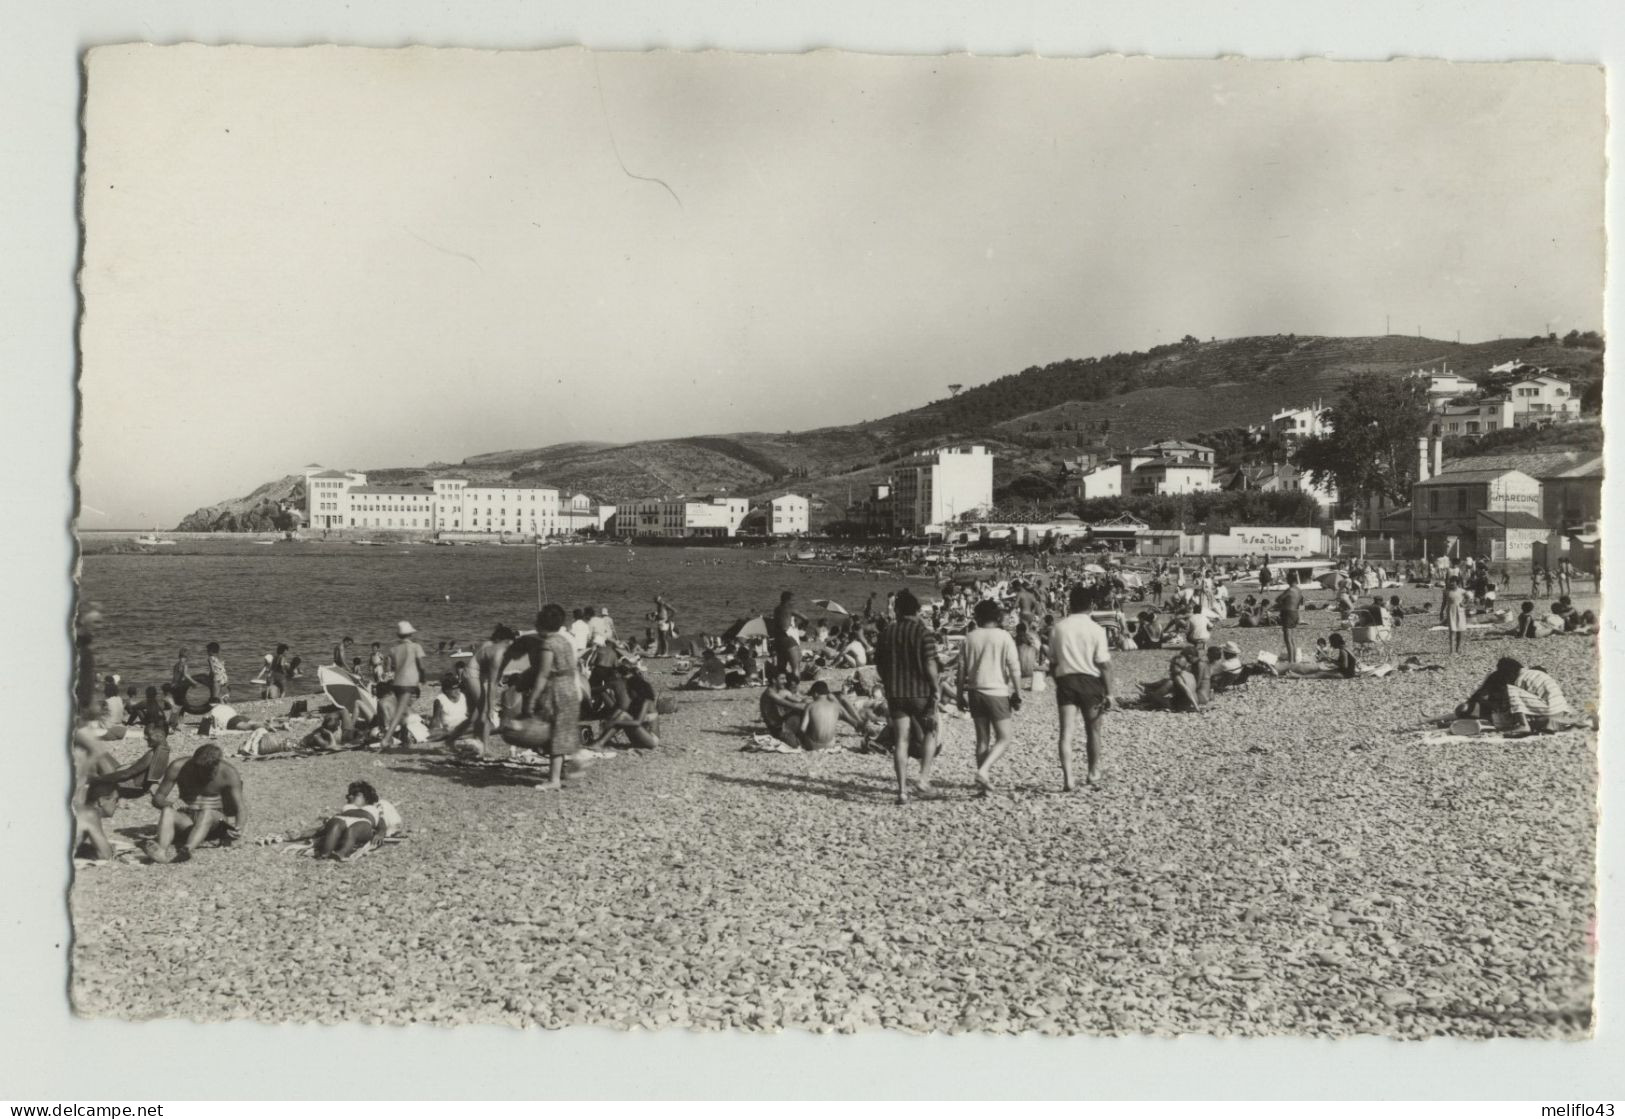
1295, 861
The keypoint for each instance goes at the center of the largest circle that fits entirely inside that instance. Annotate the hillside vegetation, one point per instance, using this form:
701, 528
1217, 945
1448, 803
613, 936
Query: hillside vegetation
1030, 420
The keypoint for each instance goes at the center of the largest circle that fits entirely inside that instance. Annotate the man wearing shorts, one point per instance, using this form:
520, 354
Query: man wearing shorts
907, 658
1083, 683
207, 803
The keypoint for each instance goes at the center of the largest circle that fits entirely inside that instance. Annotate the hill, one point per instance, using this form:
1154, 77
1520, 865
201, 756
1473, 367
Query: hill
1030, 420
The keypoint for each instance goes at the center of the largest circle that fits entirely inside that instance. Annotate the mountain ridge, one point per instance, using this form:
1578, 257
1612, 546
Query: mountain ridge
1029, 420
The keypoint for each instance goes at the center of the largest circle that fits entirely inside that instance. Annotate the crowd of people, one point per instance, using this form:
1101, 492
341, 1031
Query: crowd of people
971, 651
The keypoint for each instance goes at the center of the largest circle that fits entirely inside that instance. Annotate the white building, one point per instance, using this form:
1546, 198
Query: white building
681, 516
462, 506
1444, 385
937, 488
1161, 477
345, 499
1543, 400
580, 513
327, 496
1299, 423
1478, 418
1105, 480
788, 515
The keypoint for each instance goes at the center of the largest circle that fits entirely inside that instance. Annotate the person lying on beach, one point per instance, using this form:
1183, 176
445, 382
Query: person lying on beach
363, 819
222, 716
1178, 691
201, 797
1525, 700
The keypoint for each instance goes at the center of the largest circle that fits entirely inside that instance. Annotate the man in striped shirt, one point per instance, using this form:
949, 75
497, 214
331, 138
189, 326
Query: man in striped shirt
906, 656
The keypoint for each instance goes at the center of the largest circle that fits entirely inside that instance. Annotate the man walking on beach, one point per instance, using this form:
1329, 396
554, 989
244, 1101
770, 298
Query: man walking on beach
907, 659
663, 620
1083, 683
408, 657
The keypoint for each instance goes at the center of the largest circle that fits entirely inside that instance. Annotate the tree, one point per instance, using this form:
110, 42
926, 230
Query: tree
1371, 450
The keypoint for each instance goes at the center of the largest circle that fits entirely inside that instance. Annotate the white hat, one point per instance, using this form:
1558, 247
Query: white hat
404, 629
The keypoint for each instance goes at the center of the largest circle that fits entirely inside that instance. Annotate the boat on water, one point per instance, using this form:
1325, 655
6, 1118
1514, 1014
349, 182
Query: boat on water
152, 540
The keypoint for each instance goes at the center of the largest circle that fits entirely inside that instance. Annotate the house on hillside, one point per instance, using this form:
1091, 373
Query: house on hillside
1473, 420
1443, 385
1537, 401
1174, 450
1280, 477
1299, 423
1105, 480
1160, 477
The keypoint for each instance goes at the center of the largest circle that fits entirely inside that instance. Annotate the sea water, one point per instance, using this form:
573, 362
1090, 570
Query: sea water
251, 597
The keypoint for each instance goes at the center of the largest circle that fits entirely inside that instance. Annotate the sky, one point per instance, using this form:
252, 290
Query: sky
388, 258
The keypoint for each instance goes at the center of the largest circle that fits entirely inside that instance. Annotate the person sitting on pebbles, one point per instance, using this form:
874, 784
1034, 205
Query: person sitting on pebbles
1340, 664
637, 716
201, 796
1527, 700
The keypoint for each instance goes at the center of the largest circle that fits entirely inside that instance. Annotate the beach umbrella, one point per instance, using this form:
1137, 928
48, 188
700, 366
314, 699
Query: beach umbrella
346, 691
1094, 569
831, 606
746, 628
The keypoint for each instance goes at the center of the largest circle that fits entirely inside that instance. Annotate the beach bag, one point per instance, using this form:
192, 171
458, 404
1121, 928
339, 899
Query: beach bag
416, 729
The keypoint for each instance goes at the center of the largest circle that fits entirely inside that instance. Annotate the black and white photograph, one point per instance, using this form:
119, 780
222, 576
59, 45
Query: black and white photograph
835, 542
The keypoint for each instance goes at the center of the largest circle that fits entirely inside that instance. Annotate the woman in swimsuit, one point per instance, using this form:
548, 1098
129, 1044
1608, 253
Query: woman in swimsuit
354, 826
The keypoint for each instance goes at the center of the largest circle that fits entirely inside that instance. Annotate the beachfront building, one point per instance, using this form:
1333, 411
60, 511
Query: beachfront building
1537, 401
1570, 482
873, 513
1478, 418
681, 516
939, 487
580, 513
1445, 507
327, 496
410, 507
463, 506
788, 515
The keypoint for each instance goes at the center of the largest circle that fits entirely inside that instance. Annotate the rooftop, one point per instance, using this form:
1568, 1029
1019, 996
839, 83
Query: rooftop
1470, 477
1512, 520
1536, 464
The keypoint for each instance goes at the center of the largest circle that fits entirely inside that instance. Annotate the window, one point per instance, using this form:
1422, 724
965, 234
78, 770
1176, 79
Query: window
1461, 501
1433, 501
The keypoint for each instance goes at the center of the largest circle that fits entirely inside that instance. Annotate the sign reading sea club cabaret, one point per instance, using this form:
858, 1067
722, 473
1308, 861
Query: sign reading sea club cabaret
1272, 541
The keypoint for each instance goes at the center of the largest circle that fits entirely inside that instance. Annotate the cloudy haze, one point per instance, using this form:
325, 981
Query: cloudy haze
377, 258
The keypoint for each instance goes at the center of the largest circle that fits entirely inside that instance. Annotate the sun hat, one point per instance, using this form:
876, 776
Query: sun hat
404, 629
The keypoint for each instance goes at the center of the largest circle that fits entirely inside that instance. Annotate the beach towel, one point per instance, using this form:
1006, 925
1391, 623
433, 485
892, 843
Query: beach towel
306, 848
766, 744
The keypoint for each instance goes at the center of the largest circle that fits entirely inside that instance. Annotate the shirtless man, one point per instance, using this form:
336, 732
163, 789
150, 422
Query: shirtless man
201, 796
824, 716
93, 799
783, 708
341, 653
407, 656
